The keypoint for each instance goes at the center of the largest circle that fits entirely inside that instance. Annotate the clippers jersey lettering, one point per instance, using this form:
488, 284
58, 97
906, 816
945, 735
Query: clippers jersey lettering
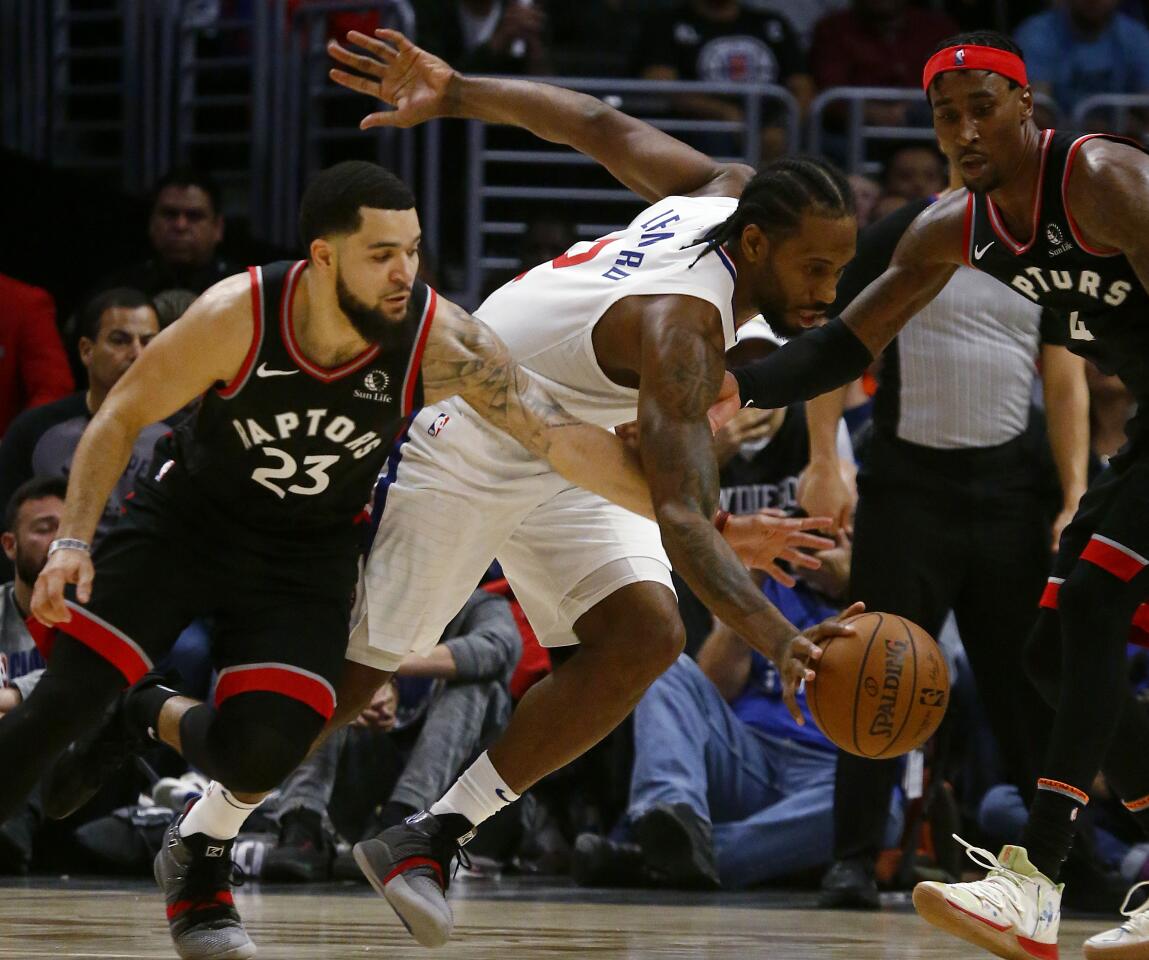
547, 315
289, 449
1101, 302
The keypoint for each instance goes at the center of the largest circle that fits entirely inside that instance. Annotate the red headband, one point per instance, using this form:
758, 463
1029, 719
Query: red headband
1009, 65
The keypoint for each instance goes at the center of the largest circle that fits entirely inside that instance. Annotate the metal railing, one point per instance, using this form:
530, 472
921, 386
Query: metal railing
639, 97
1117, 105
855, 136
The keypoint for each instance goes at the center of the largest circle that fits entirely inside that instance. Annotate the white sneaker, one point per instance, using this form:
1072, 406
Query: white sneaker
1013, 913
1130, 941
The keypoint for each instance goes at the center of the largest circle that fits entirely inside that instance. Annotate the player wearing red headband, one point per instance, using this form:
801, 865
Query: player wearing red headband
1064, 220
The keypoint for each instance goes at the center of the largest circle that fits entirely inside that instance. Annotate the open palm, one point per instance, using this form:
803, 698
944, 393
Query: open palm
416, 83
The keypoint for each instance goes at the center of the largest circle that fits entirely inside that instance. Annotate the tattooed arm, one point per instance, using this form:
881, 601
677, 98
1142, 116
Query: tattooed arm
464, 357
682, 366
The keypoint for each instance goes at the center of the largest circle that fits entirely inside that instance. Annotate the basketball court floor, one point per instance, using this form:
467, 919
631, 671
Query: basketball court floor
496, 920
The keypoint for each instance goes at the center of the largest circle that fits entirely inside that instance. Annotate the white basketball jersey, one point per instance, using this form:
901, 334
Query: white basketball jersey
547, 315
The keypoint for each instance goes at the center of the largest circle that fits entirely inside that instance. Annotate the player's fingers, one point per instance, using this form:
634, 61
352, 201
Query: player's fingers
356, 61
384, 118
810, 541
804, 650
354, 82
790, 698
396, 39
852, 610
815, 523
799, 559
383, 50
84, 583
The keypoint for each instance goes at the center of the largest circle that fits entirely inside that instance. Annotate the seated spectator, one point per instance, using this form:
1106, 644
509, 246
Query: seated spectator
115, 326
1082, 48
422, 728
867, 193
727, 789
30, 523
720, 41
485, 36
33, 366
185, 230
877, 43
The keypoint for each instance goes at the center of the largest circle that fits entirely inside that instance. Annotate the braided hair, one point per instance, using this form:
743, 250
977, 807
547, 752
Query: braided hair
777, 197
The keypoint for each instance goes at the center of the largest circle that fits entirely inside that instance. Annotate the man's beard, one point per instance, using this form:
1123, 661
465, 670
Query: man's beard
28, 568
371, 323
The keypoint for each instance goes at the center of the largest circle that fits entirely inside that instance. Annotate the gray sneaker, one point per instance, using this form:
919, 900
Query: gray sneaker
410, 865
194, 874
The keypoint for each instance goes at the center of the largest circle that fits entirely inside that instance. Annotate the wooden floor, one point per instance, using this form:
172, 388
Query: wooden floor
41, 918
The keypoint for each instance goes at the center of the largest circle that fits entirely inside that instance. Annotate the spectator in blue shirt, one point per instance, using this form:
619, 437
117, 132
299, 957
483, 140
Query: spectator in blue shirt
1085, 47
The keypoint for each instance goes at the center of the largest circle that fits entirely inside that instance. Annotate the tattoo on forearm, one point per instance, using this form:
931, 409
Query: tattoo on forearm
465, 357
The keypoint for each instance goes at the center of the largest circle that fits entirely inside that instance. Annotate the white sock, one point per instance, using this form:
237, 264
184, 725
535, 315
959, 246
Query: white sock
217, 813
478, 794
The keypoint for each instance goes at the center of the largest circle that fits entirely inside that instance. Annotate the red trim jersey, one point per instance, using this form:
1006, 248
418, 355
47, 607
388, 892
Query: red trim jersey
1101, 305
287, 449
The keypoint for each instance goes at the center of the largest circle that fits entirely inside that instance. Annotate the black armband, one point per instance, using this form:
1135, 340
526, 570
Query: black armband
811, 364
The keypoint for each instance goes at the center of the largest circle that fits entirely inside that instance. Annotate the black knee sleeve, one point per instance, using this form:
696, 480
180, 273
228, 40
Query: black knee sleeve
252, 741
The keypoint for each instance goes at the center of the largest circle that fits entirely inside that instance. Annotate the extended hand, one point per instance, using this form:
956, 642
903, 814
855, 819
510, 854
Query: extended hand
795, 664
62, 568
762, 539
413, 81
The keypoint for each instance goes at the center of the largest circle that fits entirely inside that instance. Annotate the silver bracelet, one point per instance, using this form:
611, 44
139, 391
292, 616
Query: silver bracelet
68, 543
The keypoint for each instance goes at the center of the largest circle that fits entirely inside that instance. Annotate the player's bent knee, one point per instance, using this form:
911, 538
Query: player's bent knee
256, 753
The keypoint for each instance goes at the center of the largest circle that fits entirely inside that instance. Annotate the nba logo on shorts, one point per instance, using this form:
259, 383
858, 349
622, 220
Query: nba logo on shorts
959, 56
440, 422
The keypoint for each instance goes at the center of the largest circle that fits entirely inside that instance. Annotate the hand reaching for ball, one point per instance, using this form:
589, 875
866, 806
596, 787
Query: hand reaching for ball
804, 650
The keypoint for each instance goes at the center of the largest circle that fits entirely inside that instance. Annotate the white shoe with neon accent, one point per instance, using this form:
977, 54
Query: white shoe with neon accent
1130, 941
1013, 913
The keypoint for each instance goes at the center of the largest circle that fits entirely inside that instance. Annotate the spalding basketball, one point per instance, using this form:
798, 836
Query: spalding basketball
882, 692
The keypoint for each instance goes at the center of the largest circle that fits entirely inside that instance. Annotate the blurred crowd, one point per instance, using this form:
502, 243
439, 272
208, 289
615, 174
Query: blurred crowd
711, 754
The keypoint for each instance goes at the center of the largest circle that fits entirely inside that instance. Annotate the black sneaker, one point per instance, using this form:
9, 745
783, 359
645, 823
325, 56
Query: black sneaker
598, 861
304, 851
410, 865
194, 873
677, 846
850, 885
90, 762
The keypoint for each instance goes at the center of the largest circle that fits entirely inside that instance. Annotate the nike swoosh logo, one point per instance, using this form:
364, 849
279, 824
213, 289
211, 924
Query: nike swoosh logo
979, 252
502, 796
264, 371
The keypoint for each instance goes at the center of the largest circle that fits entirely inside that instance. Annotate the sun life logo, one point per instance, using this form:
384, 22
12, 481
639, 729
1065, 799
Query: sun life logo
375, 385
1053, 234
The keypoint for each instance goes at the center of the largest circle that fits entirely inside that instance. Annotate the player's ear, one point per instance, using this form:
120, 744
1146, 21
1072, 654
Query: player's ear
8, 542
321, 253
1026, 104
754, 243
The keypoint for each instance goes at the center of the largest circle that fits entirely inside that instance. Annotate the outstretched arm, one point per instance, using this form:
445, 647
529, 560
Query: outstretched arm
421, 87
833, 355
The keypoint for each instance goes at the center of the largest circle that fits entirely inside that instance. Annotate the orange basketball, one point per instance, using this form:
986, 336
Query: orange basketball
883, 692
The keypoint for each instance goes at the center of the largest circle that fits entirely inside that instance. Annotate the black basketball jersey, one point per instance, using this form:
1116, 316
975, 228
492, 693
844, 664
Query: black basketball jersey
289, 449
1104, 309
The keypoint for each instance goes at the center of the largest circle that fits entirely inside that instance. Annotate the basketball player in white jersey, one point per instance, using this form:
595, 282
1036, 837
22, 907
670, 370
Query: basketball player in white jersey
633, 325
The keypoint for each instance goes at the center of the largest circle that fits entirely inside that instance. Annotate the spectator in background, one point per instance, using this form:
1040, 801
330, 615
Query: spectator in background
421, 729
867, 193
33, 366
1085, 47
877, 43
30, 523
721, 42
485, 36
802, 14
185, 229
1000, 15
915, 171
115, 326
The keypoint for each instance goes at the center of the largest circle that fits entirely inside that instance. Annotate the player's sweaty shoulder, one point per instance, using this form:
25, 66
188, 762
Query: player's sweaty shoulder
216, 332
937, 234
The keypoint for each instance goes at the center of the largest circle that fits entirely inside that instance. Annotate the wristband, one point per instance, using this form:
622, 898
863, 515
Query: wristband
720, 519
68, 543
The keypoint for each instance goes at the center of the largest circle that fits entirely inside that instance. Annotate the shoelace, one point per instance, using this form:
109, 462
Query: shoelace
1139, 916
996, 893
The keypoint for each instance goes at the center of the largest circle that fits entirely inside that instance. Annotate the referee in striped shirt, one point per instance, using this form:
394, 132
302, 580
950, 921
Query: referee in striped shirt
952, 513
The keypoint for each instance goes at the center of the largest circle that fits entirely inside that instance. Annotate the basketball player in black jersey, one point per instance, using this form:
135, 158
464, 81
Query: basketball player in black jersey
307, 371
1064, 220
